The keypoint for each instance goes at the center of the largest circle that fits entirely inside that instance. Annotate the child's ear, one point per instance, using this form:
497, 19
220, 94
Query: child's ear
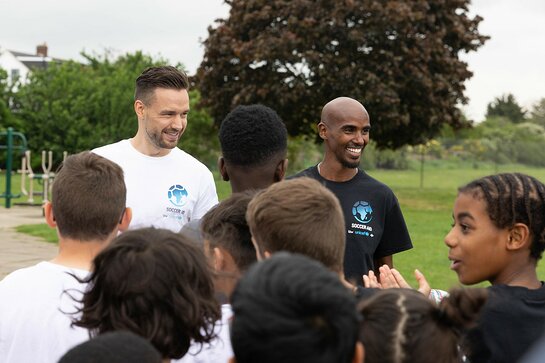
281, 169
223, 169
49, 216
359, 353
125, 220
219, 259
519, 237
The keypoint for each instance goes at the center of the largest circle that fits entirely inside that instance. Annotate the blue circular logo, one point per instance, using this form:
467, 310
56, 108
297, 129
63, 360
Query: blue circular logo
177, 195
362, 211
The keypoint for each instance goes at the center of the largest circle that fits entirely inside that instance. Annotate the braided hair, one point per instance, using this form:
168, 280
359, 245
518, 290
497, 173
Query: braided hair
514, 198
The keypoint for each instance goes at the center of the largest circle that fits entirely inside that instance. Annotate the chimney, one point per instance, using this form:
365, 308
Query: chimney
41, 50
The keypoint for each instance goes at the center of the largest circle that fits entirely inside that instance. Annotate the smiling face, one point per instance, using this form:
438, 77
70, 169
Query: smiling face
477, 248
163, 119
345, 129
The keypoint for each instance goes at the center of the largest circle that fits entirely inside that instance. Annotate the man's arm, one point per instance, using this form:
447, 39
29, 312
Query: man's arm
384, 260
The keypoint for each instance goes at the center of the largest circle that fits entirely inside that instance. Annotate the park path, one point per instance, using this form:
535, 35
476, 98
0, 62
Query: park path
19, 250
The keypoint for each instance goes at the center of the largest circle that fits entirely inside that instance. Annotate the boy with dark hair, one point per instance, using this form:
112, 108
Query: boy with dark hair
154, 283
301, 216
289, 308
114, 347
229, 249
254, 145
227, 239
166, 187
88, 210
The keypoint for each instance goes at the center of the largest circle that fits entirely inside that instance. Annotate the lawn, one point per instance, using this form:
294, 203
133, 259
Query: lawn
427, 211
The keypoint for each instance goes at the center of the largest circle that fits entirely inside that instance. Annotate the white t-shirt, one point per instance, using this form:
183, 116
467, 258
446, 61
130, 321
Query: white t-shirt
166, 191
35, 307
219, 350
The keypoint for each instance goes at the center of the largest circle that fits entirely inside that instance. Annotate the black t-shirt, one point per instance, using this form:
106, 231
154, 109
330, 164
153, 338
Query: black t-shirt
374, 223
512, 320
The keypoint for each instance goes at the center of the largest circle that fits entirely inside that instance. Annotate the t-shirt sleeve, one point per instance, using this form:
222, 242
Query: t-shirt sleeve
395, 237
208, 197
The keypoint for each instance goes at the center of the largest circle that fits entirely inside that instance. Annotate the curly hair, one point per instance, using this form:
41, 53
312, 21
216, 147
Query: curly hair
154, 283
253, 134
513, 198
401, 325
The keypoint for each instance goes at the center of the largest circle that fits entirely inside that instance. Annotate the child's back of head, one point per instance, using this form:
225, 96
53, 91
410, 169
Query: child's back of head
225, 227
155, 283
300, 216
88, 197
402, 325
290, 308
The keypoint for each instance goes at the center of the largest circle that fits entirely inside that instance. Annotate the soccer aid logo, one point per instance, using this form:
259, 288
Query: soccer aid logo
362, 211
177, 195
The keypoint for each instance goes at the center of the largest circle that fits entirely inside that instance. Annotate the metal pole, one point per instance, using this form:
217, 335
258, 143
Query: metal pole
9, 166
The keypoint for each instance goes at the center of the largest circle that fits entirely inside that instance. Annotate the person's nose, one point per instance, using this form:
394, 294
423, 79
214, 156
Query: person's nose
179, 122
450, 239
360, 139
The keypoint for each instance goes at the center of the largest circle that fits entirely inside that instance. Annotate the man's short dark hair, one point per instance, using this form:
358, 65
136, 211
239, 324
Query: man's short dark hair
159, 77
290, 308
225, 226
88, 197
253, 134
155, 283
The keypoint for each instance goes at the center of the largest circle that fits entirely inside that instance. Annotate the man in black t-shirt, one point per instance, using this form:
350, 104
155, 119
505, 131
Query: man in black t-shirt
375, 228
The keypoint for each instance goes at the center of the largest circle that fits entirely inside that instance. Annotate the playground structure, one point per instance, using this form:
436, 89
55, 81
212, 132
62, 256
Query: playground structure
46, 177
26, 171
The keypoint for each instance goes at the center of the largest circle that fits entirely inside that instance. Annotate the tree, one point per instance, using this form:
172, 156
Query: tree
506, 106
538, 112
399, 58
7, 119
74, 107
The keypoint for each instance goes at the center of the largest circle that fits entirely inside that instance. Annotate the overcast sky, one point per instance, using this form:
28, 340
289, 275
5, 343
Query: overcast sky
512, 61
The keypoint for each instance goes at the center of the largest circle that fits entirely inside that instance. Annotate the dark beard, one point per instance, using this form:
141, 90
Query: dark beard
349, 165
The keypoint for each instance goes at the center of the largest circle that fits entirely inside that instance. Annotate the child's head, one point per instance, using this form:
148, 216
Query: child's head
113, 347
289, 308
253, 135
402, 325
225, 230
88, 197
300, 216
498, 220
254, 145
154, 283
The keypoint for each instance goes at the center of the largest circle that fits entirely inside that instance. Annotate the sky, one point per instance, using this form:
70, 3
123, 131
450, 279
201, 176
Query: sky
512, 61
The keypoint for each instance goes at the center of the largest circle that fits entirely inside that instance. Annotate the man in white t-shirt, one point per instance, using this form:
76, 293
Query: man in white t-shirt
37, 303
166, 187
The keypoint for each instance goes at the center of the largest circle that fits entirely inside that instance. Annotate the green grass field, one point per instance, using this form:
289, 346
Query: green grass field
427, 211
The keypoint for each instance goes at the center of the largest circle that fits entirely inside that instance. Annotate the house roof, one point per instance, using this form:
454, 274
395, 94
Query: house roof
33, 61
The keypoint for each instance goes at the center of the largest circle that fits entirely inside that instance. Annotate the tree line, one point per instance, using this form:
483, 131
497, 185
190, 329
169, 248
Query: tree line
399, 58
